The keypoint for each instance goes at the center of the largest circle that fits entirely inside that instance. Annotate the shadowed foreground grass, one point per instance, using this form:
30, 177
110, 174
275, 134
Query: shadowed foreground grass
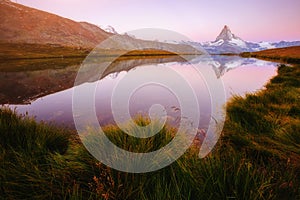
257, 157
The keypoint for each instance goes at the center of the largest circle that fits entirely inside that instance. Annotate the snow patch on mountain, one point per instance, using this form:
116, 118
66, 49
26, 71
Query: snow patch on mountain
109, 29
217, 43
266, 45
238, 42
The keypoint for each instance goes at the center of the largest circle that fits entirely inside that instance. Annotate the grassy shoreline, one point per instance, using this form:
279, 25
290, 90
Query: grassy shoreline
20, 51
257, 157
289, 55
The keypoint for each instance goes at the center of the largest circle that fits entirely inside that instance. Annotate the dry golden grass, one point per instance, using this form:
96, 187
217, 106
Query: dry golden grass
287, 54
293, 52
41, 51
35, 51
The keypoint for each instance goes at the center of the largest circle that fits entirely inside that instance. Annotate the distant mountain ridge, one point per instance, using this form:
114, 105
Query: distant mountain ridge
227, 42
21, 24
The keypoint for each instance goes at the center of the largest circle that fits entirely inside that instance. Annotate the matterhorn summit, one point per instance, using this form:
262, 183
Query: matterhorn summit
225, 34
228, 43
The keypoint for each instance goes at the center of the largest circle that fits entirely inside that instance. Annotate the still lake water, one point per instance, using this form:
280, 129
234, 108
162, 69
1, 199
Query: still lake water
47, 93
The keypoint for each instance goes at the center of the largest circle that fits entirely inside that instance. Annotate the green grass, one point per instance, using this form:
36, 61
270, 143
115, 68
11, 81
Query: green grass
32, 165
265, 129
257, 157
269, 117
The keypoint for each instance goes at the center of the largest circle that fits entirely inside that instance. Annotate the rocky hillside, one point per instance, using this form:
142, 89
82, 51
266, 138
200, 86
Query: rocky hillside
48, 33
21, 24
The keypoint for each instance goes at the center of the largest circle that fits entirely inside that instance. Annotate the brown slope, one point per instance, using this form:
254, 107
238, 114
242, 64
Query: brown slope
21, 24
286, 54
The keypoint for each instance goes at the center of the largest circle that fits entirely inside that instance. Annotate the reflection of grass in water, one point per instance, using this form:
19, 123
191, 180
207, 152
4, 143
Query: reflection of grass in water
27, 57
15, 65
49, 75
38, 64
257, 157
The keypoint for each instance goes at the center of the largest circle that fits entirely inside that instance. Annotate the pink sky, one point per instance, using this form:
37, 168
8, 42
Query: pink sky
200, 20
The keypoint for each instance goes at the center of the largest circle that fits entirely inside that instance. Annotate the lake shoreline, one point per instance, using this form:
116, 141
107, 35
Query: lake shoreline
18, 51
257, 156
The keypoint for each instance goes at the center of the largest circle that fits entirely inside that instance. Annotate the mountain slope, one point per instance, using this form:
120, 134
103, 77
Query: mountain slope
21, 24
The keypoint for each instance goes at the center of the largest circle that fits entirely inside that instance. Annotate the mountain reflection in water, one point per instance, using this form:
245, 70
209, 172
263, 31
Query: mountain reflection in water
47, 93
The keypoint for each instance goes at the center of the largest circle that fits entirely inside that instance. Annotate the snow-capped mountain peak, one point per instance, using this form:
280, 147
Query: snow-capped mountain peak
225, 34
227, 42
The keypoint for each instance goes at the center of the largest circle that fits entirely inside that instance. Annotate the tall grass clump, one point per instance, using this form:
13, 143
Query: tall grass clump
36, 162
47, 162
176, 181
22, 133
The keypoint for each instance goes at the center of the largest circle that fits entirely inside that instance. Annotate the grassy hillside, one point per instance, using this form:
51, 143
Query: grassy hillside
10, 51
286, 55
13, 51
